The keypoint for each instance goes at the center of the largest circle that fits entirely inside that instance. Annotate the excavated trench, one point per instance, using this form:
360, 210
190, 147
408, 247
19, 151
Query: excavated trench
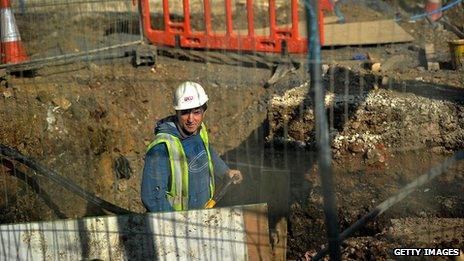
385, 134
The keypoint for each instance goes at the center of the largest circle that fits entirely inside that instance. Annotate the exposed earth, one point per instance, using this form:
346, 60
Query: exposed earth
387, 128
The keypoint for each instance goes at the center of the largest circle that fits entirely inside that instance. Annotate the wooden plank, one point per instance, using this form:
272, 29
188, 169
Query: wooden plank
266, 30
280, 246
330, 19
431, 57
357, 33
361, 33
257, 232
216, 234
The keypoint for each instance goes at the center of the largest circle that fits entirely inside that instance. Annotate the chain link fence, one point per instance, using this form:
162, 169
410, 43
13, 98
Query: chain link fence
74, 136
66, 31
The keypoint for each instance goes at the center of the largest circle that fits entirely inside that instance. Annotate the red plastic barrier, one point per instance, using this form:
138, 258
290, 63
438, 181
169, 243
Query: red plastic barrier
229, 40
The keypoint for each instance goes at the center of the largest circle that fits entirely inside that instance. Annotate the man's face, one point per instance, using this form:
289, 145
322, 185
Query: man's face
190, 120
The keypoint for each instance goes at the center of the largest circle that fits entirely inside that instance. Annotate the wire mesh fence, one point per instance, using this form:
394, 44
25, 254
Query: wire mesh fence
88, 120
56, 28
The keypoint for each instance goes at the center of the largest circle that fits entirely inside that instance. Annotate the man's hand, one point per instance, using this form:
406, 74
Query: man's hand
236, 175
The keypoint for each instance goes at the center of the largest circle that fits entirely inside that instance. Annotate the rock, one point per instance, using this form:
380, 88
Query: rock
93, 67
63, 103
122, 168
22, 148
431, 57
50, 119
397, 63
433, 66
325, 69
373, 63
448, 204
82, 80
376, 67
316, 199
438, 150
44, 97
78, 112
385, 81
3, 73
122, 186
329, 99
356, 147
430, 129
439, 27
374, 155
7, 93
414, 48
355, 125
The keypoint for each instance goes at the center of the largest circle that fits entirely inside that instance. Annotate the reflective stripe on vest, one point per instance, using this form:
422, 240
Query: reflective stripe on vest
204, 138
178, 198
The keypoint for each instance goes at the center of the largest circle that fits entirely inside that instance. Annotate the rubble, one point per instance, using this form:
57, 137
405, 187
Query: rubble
7, 93
381, 121
380, 117
61, 102
425, 228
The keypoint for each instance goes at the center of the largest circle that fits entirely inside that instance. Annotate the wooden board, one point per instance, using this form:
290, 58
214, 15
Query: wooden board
239, 233
357, 33
257, 232
280, 247
266, 30
362, 33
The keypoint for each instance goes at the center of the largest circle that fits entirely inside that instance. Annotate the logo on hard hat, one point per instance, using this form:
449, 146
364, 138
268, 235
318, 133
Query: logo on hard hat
189, 95
188, 98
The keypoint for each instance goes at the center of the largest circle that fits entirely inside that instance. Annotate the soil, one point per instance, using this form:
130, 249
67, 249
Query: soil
387, 128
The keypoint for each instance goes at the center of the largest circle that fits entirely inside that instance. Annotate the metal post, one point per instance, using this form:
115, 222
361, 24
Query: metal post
322, 132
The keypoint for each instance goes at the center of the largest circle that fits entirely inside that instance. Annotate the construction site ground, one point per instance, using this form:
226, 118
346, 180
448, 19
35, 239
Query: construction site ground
388, 128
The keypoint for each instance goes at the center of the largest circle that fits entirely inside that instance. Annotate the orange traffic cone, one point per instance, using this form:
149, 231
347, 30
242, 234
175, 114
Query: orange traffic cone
12, 47
432, 6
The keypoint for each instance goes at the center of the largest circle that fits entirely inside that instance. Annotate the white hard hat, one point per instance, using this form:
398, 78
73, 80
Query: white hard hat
189, 95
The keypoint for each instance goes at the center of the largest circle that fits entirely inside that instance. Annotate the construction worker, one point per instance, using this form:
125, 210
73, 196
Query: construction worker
181, 168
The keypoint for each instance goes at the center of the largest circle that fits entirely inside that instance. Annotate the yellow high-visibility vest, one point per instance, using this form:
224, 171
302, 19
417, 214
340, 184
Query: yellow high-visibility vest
178, 193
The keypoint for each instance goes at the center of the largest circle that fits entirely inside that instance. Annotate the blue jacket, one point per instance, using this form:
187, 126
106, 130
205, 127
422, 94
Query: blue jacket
157, 171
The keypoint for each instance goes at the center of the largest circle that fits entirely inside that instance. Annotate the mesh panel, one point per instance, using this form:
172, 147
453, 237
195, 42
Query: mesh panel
392, 104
